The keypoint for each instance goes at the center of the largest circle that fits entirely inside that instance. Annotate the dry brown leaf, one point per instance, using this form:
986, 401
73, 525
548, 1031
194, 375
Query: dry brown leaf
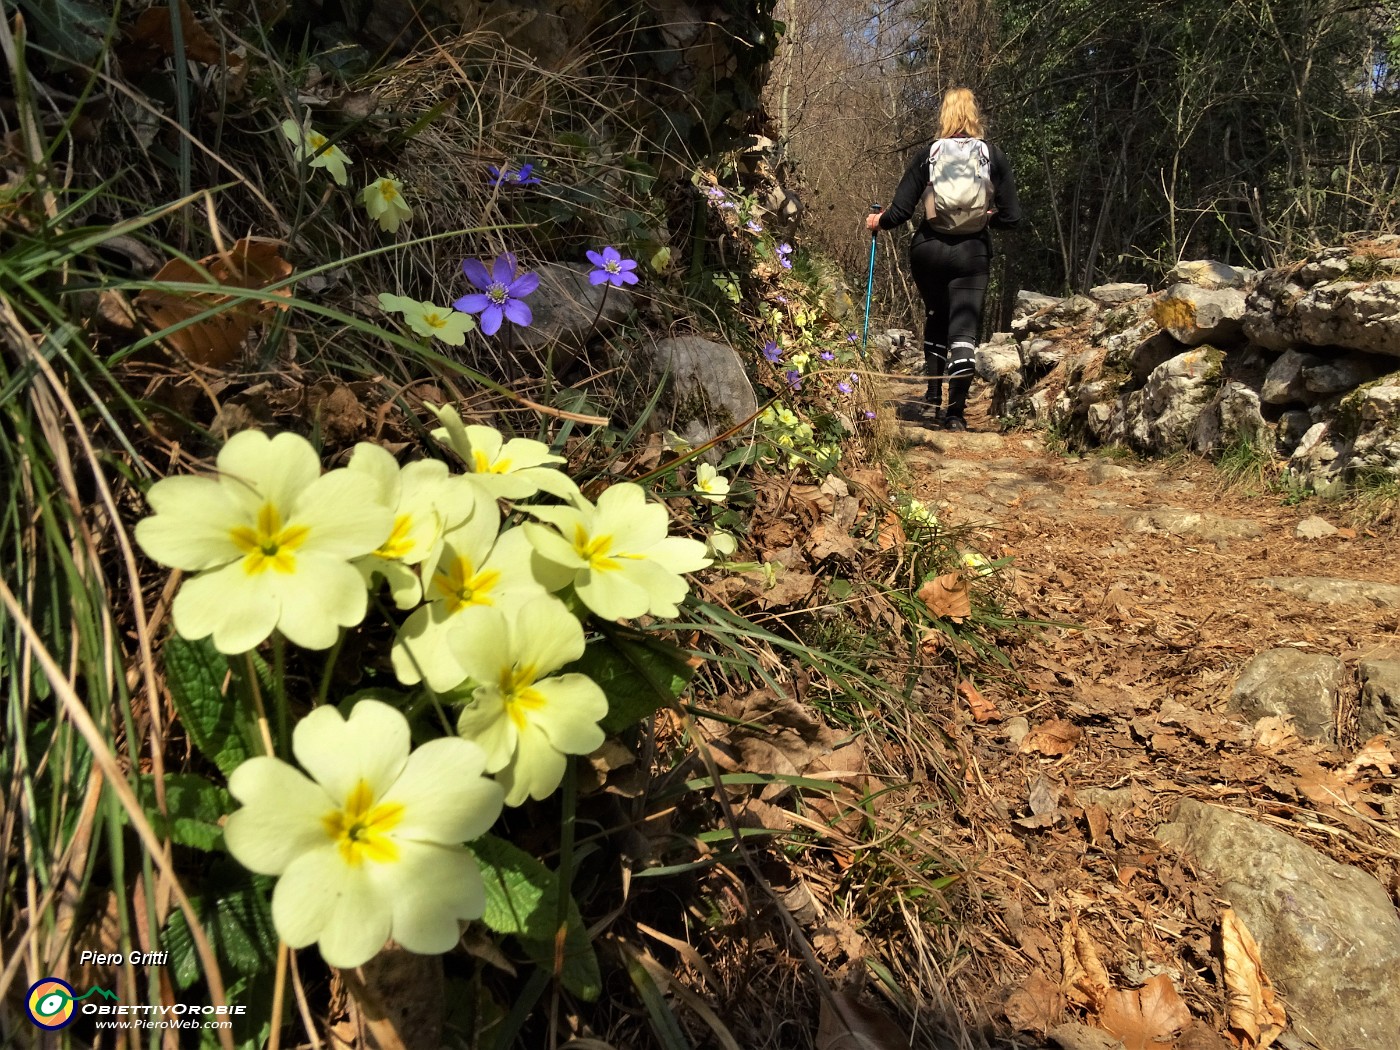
1053, 738
983, 710
891, 535
216, 340
851, 1025
151, 38
1097, 819
1374, 754
1085, 979
946, 596
1274, 733
1037, 1005
1147, 1017
1256, 1016
1044, 803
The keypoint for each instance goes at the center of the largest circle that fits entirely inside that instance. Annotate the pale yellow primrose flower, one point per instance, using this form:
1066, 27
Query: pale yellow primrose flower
272, 539
369, 846
524, 717
622, 561
383, 199
476, 571
723, 544
977, 563
310, 142
711, 485
502, 469
426, 501
437, 322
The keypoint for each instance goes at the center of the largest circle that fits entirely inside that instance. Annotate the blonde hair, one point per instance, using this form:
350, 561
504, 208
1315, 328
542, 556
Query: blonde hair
959, 114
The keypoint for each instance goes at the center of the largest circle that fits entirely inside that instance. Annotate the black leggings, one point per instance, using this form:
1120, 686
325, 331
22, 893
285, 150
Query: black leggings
952, 276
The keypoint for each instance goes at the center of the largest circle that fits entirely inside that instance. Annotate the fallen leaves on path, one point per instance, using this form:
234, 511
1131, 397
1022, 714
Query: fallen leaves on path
1256, 1016
1053, 738
1141, 1018
947, 597
982, 709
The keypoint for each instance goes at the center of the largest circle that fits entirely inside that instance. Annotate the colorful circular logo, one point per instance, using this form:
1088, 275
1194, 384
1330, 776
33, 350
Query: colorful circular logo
50, 1003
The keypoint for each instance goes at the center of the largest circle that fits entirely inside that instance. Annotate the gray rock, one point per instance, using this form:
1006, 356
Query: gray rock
999, 364
1193, 524
1102, 472
1173, 398
1328, 934
1375, 452
1233, 415
1113, 294
1042, 355
1338, 375
1320, 459
1351, 314
1292, 425
565, 307
1206, 273
1155, 350
1065, 312
1028, 303
1327, 590
708, 391
1288, 682
1314, 528
1194, 315
1380, 698
1285, 383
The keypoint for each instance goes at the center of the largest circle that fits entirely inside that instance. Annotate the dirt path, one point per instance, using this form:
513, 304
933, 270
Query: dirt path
1112, 724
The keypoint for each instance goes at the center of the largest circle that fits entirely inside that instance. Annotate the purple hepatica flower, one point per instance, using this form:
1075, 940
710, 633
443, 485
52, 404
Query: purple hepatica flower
851, 337
753, 226
794, 378
784, 250
827, 355
781, 298
844, 387
869, 413
771, 353
715, 193
612, 268
512, 176
501, 293
854, 379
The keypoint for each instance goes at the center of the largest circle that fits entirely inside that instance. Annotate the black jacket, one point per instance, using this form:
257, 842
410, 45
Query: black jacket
908, 199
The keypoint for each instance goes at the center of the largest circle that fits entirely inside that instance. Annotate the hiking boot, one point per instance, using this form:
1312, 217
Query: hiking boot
937, 417
955, 423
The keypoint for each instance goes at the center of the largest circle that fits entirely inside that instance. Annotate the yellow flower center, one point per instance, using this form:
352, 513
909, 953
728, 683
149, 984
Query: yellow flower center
316, 139
398, 545
434, 319
387, 191
462, 585
595, 549
361, 829
518, 694
482, 465
270, 544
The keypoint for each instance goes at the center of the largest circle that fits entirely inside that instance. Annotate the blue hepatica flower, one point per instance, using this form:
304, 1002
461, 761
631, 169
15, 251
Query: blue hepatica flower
512, 176
501, 293
771, 353
715, 193
753, 226
794, 378
827, 355
785, 250
854, 379
851, 337
844, 387
612, 268
869, 413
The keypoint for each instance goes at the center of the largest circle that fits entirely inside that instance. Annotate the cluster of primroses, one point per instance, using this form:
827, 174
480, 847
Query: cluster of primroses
367, 836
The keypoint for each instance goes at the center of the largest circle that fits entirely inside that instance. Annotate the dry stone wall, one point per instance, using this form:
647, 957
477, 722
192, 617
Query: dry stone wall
1303, 359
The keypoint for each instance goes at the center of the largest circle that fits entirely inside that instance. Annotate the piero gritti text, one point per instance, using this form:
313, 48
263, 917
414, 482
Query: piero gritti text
132, 958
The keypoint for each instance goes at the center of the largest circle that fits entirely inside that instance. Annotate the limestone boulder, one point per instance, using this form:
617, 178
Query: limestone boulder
707, 391
1232, 415
1285, 681
567, 314
1375, 451
1114, 294
1061, 314
1380, 698
998, 363
1328, 934
1028, 303
1194, 316
1173, 398
1206, 273
1285, 384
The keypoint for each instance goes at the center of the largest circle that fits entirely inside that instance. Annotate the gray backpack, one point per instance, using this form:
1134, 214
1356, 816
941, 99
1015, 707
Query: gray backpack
959, 194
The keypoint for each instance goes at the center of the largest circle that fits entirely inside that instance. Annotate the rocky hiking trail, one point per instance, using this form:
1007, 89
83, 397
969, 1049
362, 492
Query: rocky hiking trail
1181, 812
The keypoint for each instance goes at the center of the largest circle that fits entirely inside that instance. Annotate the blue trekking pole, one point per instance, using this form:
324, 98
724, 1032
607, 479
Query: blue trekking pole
869, 285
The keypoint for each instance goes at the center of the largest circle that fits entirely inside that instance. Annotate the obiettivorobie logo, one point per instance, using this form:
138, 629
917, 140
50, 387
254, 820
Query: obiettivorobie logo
49, 1003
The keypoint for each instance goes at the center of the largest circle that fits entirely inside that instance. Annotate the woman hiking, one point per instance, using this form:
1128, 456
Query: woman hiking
957, 189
